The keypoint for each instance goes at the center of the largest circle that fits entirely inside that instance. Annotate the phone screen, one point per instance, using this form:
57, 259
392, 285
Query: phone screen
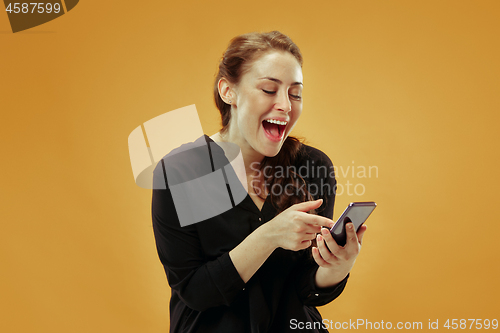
357, 213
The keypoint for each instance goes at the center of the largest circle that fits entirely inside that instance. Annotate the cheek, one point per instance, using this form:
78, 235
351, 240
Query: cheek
254, 108
248, 121
296, 113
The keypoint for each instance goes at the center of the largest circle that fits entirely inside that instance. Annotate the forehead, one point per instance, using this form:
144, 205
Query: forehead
275, 64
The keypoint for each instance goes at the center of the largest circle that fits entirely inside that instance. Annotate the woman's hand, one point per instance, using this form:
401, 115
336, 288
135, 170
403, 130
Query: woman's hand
335, 261
294, 228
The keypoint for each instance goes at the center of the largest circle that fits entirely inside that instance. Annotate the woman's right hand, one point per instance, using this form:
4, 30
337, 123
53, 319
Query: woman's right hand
294, 228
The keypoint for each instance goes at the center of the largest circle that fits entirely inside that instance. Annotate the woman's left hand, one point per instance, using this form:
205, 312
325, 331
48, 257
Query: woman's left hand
335, 261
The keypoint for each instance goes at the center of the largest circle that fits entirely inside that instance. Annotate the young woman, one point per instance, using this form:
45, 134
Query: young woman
254, 268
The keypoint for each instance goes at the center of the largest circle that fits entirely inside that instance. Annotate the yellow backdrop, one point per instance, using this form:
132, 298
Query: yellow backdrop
408, 88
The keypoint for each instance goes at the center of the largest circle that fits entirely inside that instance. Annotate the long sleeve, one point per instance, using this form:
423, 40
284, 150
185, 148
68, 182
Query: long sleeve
200, 283
324, 179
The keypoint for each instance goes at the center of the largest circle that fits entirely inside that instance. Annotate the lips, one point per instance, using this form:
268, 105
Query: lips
274, 129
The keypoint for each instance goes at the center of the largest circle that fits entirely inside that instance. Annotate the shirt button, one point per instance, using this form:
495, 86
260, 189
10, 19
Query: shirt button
316, 295
260, 219
243, 288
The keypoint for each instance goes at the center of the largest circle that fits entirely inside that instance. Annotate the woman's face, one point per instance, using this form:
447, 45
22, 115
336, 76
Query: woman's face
267, 103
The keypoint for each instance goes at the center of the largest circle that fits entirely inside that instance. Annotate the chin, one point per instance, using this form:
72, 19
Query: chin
272, 151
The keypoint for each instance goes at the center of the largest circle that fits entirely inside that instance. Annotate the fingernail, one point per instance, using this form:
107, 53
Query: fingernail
331, 225
320, 238
325, 231
349, 225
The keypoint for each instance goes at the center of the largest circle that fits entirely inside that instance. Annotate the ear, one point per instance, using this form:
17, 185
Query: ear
226, 91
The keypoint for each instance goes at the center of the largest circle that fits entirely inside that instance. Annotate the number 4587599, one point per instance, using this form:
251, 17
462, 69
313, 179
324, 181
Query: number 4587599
471, 324
33, 7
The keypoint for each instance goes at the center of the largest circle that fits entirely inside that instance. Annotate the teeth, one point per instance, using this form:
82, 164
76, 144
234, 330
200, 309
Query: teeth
277, 122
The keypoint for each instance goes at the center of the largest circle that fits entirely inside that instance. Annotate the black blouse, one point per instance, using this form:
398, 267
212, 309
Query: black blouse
208, 294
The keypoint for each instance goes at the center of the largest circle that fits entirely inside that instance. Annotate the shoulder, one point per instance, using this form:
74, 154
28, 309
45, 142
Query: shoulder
187, 162
311, 157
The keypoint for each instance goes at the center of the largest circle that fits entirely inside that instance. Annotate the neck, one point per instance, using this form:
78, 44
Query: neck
251, 158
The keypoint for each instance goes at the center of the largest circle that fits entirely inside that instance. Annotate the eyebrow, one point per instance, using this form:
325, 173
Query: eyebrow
279, 81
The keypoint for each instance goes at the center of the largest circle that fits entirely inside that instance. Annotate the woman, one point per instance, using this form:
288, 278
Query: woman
253, 268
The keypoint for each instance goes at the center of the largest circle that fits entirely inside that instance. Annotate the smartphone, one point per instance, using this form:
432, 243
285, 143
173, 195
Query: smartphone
357, 213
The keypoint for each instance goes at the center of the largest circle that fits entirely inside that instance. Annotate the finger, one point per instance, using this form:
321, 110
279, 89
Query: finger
317, 257
352, 238
335, 249
308, 228
310, 236
307, 205
323, 250
330, 242
304, 224
360, 233
316, 220
305, 244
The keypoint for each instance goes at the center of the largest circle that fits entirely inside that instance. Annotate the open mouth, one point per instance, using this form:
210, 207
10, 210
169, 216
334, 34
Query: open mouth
274, 128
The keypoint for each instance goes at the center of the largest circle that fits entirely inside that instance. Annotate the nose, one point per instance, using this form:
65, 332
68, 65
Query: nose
283, 102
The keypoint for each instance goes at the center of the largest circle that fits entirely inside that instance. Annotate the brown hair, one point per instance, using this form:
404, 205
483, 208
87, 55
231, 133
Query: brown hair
237, 58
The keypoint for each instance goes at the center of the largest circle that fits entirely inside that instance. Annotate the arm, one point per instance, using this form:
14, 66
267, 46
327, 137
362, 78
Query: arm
293, 229
335, 262
200, 284
315, 285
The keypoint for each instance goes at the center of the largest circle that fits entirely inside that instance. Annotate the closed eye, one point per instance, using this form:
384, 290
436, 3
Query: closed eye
295, 97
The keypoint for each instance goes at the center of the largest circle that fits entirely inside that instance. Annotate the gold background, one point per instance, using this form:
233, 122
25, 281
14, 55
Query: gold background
411, 87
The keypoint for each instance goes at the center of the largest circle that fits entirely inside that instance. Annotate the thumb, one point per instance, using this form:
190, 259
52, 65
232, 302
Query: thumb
308, 205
